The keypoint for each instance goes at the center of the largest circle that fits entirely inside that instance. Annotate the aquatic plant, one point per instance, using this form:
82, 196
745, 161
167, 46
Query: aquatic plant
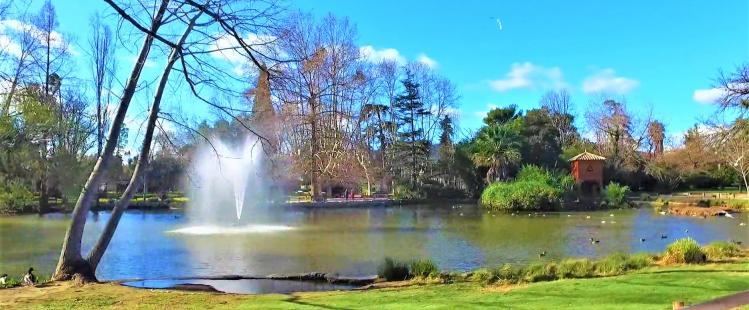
393, 270
684, 251
721, 250
423, 268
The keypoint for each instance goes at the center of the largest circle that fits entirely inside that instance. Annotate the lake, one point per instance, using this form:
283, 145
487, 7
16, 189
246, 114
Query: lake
350, 242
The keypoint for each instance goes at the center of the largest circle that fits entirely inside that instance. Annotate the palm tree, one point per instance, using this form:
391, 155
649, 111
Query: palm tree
497, 147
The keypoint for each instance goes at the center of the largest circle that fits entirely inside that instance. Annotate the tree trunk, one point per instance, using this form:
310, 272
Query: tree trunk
71, 262
106, 236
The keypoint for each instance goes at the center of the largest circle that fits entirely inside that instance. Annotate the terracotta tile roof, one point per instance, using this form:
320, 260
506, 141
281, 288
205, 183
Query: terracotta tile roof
587, 156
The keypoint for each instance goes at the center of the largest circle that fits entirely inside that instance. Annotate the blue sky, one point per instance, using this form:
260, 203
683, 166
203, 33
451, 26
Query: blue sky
659, 54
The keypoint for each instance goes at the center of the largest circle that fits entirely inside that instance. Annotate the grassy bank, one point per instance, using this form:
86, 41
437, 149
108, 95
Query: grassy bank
650, 288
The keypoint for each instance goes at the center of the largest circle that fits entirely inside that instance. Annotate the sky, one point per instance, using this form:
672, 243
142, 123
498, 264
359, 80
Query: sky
659, 55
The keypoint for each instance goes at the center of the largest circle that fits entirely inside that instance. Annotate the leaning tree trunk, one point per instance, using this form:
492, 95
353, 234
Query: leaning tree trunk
106, 236
71, 261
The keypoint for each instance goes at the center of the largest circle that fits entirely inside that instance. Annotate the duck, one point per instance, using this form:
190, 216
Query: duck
3, 278
29, 278
736, 242
664, 237
642, 239
542, 254
594, 241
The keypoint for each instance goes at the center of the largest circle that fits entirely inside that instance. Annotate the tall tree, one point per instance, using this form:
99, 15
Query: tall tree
559, 106
410, 112
102, 47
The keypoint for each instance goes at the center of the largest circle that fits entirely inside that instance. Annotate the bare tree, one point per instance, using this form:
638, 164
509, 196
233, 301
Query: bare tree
559, 105
209, 21
732, 145
735, 87
102, 47
19, 60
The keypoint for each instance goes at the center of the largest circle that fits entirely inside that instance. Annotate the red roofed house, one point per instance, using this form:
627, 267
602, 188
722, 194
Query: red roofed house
587, 170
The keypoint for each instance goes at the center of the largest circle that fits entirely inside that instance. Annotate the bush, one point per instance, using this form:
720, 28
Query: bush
638, 261
721, 250
508, 274
15, 197
576, 268
424, 268
537, 272
392, 270
482, 275
534, 173
615, 195
684, 251
405, 192
521, 195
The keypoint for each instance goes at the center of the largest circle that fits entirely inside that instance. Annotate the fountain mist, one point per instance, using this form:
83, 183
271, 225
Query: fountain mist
227, 176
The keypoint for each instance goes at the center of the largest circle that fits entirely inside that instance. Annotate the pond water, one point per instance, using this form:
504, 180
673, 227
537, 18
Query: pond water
350, 242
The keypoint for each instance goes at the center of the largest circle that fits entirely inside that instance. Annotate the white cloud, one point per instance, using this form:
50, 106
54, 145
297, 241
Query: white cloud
708, 96
8, 46
606, 81
228, 49
374, 55
56, 39
427, 61
529, 76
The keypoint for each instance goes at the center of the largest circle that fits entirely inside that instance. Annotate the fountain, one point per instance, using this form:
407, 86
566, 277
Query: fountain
226, 180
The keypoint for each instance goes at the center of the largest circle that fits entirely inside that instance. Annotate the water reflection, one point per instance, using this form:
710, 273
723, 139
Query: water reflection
353, 241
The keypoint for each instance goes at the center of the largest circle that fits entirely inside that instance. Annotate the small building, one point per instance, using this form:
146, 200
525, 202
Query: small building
587, 170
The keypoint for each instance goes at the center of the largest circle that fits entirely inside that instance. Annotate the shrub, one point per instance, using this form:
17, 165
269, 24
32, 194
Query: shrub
405, 192
615, 194
721, 250
508, 274
537, 272
423, 268
482, 275
521, 195
611, 265
684, 251
576, 268
638, 261
534, 173
392, 270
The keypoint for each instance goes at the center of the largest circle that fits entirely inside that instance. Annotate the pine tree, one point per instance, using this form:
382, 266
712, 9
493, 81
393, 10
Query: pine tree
409, 108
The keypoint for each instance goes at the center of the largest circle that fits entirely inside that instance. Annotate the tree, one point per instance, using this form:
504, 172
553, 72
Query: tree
499, 116
447, 149
559, 106
542, 145
103, 68
497, 147
733, 148
410, 112
656, 136
735, 88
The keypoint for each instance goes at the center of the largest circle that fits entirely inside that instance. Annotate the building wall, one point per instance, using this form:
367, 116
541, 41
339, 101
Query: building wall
588, 170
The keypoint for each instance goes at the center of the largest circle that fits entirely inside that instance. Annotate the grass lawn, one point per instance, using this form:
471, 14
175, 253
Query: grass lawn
651, 288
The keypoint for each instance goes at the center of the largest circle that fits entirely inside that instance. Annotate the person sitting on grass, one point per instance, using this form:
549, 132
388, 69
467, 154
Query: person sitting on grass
29, 278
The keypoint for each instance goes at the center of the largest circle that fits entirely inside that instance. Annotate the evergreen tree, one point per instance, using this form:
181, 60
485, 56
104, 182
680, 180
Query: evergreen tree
413, 148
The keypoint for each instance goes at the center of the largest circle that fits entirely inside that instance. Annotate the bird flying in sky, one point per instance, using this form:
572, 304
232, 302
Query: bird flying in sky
499, 22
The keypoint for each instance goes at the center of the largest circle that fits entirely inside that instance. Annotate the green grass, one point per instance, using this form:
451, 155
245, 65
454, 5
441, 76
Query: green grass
651, 288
